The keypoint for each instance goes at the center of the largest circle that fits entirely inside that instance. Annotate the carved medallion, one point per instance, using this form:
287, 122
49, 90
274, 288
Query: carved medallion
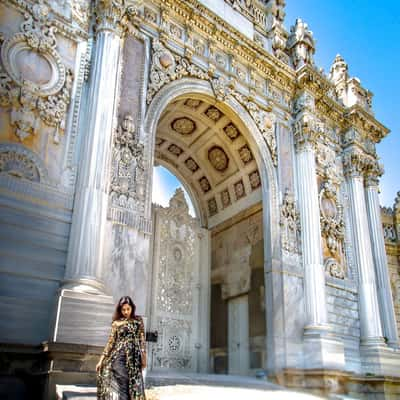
191, 164
183, 126
213, 113
175, 150
231, 131
246, 154
218, 158
204, 184
212, 207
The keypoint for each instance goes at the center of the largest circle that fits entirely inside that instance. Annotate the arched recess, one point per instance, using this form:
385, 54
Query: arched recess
202, 90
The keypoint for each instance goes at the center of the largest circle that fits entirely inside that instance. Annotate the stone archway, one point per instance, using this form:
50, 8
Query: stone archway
200, 94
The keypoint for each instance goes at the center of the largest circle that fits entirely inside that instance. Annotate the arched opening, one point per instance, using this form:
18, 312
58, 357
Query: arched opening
216, 151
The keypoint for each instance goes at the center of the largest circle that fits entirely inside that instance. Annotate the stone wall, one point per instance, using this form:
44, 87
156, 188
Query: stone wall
391, 231
40, 95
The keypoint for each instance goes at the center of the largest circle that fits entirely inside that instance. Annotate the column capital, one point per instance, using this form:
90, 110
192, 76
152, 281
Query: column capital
356, 163
307, 129
113, 15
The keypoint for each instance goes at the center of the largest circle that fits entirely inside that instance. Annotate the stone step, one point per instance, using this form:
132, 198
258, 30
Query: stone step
169, 386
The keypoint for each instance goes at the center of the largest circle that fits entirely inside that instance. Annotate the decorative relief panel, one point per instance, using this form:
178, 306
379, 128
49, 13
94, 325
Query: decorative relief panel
213, 113
290, 225
204, 184
225, 198
175, 150
174, 300
212, 207
34, 82
231, 131
245, 154
19, 162
255, 180
128, 177
240, 191
191, 165
332, 218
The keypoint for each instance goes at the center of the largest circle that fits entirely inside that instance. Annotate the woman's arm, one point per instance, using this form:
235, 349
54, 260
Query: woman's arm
142, 342
109, 346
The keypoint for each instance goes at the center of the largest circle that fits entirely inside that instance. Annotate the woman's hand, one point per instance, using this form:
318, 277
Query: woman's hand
144, 360
98, 365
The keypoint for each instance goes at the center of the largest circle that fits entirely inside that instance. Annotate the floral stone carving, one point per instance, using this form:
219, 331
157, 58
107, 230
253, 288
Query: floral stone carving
290, 224
127, 171
34, 82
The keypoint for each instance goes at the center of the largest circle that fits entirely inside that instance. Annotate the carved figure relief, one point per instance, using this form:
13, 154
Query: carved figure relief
34, 82
290, 224
128, 179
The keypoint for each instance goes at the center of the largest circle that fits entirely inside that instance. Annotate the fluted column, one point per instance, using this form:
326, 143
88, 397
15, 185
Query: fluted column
381, 266
307, 189
370, 321
84, 262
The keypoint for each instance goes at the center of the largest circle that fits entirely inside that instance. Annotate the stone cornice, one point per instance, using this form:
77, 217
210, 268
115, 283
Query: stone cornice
65, 26
195, 15
358, 117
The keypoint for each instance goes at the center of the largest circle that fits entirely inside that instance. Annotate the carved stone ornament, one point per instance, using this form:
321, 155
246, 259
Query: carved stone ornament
19, 162
290, 224
334, 268
357, 163
166, 67
183, 126
301, 44
218, 158
127, 187
38, 93
307, 129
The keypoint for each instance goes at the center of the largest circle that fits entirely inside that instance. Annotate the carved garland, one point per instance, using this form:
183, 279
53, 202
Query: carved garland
32, 97
166, 67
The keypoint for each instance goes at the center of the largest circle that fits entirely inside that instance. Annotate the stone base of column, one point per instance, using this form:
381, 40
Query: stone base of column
322, 349
82, 318
379, 359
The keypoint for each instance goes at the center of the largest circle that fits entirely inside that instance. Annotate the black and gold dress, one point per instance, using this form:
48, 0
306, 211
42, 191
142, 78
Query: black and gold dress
120, 376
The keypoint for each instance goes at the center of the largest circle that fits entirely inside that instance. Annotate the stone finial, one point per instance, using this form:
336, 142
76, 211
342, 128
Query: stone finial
178, 201
301, 44
339, 70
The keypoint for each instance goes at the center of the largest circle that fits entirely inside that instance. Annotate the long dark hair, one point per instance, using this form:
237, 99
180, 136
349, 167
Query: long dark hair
124, 300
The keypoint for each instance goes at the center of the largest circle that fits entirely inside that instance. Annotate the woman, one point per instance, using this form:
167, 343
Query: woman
119, 371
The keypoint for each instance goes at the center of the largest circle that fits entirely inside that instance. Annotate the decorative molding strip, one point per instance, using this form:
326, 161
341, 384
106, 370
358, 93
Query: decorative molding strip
130, 219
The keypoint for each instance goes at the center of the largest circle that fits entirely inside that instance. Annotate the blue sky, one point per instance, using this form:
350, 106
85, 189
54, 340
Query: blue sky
367, 35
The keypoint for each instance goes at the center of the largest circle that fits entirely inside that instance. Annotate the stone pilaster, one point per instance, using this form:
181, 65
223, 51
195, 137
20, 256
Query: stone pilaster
82, 292
371, 331
319, 343
378, 249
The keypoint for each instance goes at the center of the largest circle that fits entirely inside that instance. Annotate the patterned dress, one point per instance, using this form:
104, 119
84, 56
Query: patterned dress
120, 376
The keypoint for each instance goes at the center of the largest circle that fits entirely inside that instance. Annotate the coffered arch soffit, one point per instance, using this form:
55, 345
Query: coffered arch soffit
214, 147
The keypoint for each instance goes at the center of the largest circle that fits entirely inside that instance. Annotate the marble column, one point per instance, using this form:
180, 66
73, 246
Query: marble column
84, 261
314, 275
322, 349
83, 310
370, 321
238, 335
381, 266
